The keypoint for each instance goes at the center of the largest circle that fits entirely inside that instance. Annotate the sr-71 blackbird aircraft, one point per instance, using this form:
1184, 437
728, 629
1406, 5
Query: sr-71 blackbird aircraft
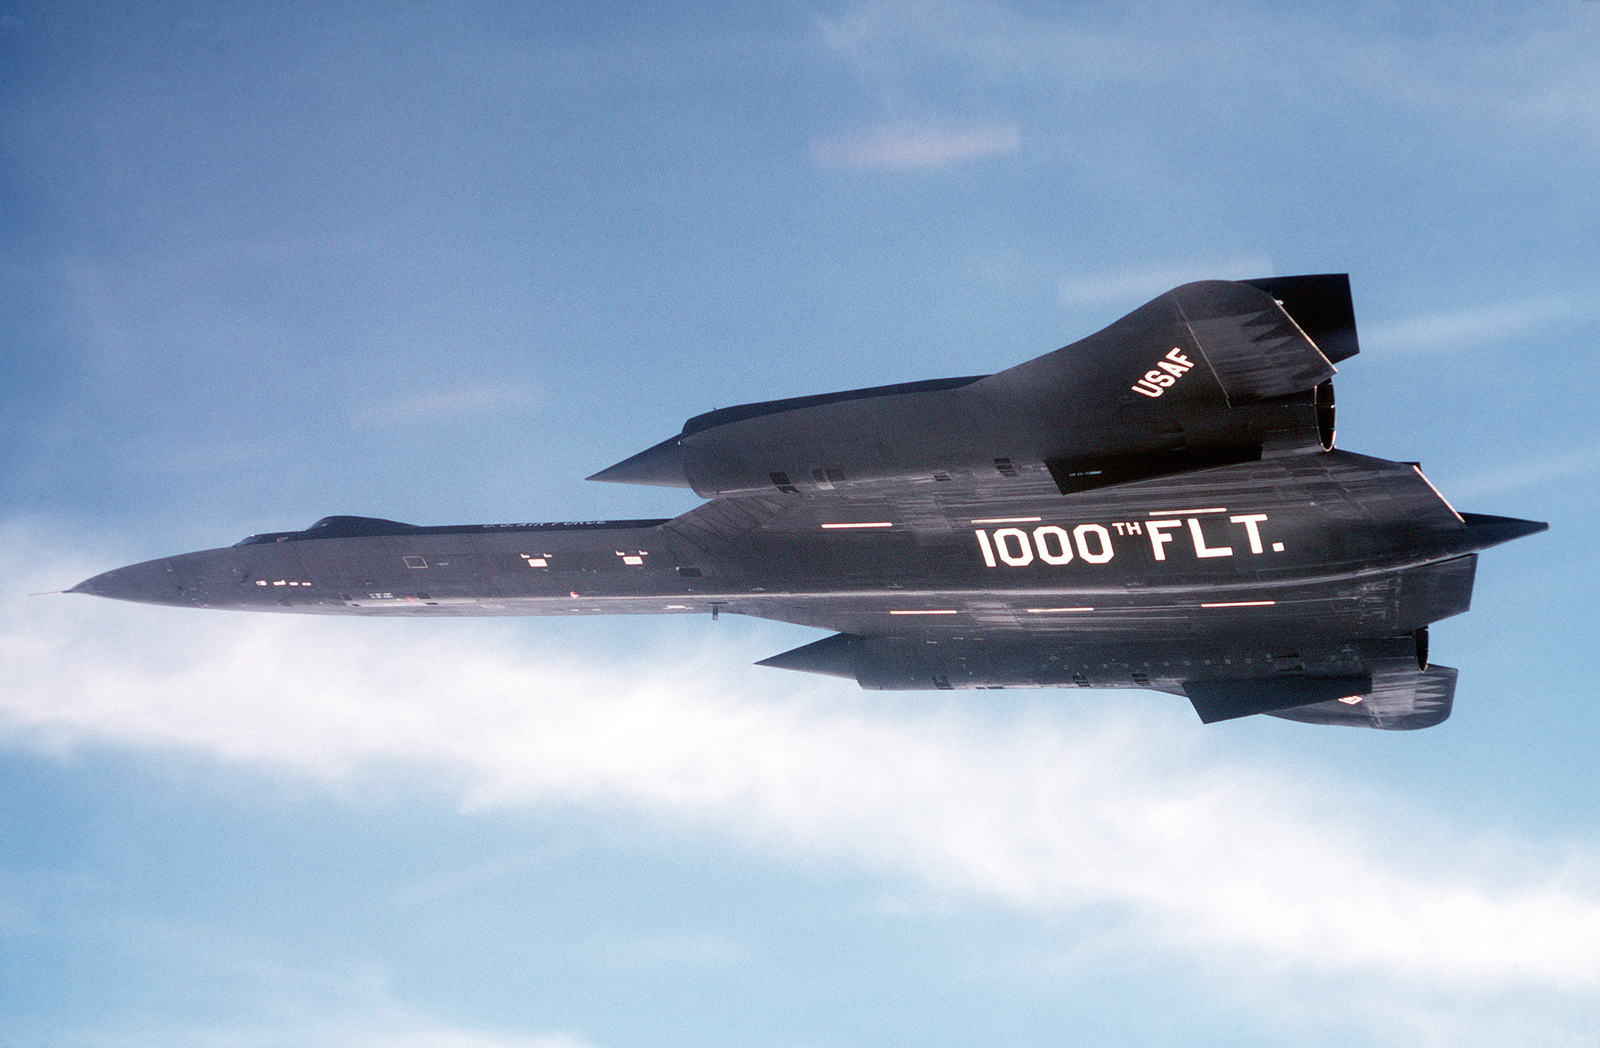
1156, 506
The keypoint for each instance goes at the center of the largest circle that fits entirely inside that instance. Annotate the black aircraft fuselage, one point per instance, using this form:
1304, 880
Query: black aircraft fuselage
1156, 506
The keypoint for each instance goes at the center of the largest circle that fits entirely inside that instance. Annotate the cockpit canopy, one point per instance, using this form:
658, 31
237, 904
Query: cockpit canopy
335, 528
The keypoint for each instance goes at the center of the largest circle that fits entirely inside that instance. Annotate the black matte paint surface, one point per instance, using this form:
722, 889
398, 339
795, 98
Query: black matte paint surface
1152, 506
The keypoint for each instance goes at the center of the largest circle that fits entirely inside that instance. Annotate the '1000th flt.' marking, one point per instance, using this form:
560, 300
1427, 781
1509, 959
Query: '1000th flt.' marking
1092, 543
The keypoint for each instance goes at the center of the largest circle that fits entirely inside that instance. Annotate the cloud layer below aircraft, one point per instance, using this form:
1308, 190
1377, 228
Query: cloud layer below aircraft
1045, 809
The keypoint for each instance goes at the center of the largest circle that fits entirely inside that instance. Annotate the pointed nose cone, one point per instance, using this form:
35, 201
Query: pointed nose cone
153, 582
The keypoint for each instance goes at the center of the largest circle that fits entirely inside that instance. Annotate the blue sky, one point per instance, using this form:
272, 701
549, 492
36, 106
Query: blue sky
264, 263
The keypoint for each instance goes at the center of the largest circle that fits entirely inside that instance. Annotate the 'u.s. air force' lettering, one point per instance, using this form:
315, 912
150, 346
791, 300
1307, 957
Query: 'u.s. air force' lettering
1092, 543
1168, 370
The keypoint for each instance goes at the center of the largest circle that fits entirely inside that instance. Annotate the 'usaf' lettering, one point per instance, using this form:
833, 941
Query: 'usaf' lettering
1164, 375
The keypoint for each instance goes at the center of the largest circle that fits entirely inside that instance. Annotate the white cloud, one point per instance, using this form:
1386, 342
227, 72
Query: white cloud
457, 402
904, 147
676, 950
1501, 78
470, 878
1473, 326
449, 1037
1560, 466
1044, 812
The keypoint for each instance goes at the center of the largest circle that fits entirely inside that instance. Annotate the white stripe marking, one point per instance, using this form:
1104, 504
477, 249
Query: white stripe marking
1240, 604
1049, 611
870, 524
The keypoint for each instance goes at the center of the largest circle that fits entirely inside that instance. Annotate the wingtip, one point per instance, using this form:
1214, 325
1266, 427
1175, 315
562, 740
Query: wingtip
1494, 530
